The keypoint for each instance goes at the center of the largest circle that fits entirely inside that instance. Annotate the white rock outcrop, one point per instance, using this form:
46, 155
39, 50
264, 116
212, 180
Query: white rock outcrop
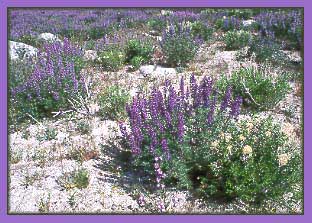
21, 51
157, 71
48, 37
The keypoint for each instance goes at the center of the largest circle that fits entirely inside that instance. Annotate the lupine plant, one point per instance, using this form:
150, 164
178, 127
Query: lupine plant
286, 25
55, 79
186, 138
178, 45
161, 123
228, 23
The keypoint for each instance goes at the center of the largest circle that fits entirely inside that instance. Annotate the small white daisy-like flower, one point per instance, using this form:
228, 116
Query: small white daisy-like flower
247, 150
249, 126
283, 159
214, 144
242, 138
268, 133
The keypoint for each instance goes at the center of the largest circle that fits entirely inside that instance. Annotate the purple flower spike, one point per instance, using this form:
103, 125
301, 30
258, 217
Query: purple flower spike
180, 127
165, 148
235, 108
212, 109
226, 100
123, 130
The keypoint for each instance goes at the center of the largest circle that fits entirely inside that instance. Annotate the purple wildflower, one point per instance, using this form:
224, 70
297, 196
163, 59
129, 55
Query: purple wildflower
55, 96
123, 130
165, 148
212, 109
161, 206
226, 100
172, 100
180, 127
141, 201
235, 108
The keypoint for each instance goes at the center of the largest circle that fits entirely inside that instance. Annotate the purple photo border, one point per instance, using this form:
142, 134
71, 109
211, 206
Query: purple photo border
5, 218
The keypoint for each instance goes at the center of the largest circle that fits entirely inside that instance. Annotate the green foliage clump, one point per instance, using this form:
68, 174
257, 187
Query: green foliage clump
95, 33
199, 29
178, 47
241, 13
136, 62
235, 40
266, 50
259, 90
143, 52
112, 59
81, 178
84, 127
156, 24
239, 160
112, 102
229, 23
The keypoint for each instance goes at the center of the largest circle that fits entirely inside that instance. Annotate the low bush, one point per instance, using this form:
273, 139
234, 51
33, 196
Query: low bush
95, 33
235, 40
241, 13
135, 48
112, 59
186, 139
201, 30
266, 49
178, 47
136, 62
112, 102
81, 178
258, 90
157, 24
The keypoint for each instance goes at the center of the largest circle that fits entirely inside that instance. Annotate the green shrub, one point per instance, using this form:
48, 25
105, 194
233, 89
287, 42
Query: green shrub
241, 13
78, 178
19, 71
90, 45
135, 48
156, 24
84, 127
95, 33
136, 62
178, 47
241, 160
259, 90
81, 178
198, 29
235, 40
111, 59
50, 133
266, 49
112, 102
